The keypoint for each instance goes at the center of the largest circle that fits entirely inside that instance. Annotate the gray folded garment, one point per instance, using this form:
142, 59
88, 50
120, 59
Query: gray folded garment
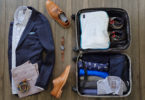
88, 84
91, 78
29, 72
88, 91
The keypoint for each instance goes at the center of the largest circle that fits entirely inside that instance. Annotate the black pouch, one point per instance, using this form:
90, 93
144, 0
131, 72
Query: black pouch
111, 55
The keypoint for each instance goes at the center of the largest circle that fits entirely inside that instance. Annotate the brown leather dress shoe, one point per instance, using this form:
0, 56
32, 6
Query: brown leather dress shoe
57, 14
59, 82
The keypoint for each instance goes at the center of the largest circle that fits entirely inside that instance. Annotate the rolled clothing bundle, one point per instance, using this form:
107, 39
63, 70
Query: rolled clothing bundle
91, 78
93, 66
93, 73
88, 84
89, 91
96, 58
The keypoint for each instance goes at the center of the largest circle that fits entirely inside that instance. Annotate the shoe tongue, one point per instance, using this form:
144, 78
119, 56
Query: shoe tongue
63, 17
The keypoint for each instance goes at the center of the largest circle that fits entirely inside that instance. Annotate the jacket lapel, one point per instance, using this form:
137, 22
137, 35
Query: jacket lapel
27, 29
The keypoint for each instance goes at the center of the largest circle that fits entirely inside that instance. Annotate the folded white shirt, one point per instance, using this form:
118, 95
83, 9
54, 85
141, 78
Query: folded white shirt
111, 84
94, 34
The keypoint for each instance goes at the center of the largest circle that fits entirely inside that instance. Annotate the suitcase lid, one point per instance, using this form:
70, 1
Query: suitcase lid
112, 12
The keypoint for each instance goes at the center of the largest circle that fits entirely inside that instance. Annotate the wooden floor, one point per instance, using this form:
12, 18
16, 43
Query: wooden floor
136, 11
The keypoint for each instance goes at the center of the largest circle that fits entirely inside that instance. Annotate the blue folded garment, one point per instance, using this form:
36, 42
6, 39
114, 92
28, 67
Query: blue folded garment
93, 73
94, 66
89, 91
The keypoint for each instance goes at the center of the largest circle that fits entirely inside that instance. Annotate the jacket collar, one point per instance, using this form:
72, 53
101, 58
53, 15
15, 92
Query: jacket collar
21, 15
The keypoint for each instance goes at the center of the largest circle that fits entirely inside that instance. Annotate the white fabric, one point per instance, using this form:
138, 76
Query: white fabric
21, 17
111, 84
94, 27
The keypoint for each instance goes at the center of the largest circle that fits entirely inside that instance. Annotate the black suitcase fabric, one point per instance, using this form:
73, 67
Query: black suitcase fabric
106, 62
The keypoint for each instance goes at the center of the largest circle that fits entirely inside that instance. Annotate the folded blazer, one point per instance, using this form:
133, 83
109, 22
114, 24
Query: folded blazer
32, 46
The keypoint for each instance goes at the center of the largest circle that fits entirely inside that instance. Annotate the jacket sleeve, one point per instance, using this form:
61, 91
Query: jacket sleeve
46, 40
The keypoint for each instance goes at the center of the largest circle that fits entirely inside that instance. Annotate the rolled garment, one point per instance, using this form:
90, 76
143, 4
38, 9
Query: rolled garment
96, 58
93, 66
91, 78
93, 73
89, 91
88, 84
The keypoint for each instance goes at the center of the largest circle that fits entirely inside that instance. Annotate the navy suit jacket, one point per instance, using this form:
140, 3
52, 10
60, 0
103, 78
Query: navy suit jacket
31, 47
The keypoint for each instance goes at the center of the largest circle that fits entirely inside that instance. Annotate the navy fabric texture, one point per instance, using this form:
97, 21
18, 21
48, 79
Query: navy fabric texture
93, 66
31, 47
119, 67
89, 91
96, 58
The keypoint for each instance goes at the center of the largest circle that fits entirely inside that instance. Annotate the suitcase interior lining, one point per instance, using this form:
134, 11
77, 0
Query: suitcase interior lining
92, 57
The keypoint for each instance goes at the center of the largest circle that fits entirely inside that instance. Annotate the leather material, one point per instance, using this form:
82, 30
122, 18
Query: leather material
54, 11
59, 82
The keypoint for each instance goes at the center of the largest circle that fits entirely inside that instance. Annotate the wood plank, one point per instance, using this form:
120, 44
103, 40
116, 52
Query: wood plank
96, 3
33, 3
133, 51
2, 46
142, 46
67, 90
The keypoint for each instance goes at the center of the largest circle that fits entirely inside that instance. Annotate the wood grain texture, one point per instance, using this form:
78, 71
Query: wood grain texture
2, 46
135, 9
142, 46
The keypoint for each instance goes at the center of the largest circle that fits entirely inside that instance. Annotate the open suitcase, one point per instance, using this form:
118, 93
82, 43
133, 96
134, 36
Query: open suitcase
116, 63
